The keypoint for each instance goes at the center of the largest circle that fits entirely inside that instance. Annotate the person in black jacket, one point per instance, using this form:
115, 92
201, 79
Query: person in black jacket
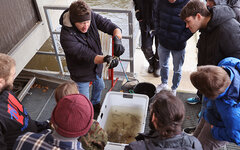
14, 119
144, 15
220, 32
81, 44
172, 36
166, 117
234, 4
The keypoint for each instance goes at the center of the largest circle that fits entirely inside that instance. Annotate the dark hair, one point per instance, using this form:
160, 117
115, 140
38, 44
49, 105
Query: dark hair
210, 80
79, 11
169, 111
192, 8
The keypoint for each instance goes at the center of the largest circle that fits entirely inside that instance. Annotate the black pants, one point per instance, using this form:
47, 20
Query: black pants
147, 41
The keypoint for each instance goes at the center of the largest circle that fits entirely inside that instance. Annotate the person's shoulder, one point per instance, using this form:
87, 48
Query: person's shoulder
4, 94
136, 145
34, 134
191, 141
28, 139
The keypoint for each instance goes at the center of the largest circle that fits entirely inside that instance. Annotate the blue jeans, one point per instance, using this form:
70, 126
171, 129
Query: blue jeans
97, 87
178, 59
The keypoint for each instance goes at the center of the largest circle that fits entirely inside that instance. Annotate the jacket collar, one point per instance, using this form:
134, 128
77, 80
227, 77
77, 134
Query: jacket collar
66, 20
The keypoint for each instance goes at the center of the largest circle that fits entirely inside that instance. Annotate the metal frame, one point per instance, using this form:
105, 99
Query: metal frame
57, 54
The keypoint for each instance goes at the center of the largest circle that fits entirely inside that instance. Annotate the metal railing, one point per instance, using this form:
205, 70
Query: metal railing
57, 53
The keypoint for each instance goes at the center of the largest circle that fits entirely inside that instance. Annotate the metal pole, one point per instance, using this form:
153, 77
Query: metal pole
130, 26
54, 41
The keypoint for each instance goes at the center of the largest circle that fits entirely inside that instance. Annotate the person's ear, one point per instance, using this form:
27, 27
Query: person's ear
154, 120
199, 16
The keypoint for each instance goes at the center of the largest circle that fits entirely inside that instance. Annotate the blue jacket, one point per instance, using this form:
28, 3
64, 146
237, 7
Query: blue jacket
170, 30
224, 112
81, 48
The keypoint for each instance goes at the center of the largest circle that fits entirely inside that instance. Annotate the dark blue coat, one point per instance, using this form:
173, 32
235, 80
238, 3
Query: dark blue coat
81, 48
170, 30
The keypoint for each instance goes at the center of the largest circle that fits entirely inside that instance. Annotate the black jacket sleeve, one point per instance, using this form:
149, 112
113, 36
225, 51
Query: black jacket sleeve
104, 24
230, 37
3, 145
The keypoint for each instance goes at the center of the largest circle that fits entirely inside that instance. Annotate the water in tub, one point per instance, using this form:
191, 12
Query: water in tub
123, 124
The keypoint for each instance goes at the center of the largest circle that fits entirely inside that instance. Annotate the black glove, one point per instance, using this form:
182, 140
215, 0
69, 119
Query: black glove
118, 47
107, 59
112, 62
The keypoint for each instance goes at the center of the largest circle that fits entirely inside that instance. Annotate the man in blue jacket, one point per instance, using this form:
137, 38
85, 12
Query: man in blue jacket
221, 114
172, 36
81, 43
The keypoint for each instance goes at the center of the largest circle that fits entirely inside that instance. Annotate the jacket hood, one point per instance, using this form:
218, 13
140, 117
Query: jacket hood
65, 19
234, 3
232, 92
220, 2
220, 14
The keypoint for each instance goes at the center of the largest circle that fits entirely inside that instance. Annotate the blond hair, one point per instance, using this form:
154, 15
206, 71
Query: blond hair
65, 89
6, 64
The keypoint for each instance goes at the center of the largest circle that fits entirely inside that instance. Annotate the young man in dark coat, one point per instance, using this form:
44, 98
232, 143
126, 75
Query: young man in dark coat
144, 15
14, 119
220, 31
81, 43
172, 35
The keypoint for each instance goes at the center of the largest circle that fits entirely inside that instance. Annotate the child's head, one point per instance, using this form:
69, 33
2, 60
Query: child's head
72, 116
167, 113
65, 89
210, 80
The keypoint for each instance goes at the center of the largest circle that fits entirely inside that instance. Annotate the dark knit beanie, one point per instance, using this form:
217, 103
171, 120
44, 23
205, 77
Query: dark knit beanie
72, 116
79, 12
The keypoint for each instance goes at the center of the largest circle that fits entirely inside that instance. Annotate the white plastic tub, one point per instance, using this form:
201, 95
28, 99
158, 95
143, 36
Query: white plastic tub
123, 115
